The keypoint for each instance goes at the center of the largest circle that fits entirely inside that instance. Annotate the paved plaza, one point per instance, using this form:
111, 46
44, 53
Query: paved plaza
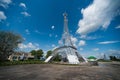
105, 71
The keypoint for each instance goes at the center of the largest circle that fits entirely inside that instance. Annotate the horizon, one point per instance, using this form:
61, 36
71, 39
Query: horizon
94, 25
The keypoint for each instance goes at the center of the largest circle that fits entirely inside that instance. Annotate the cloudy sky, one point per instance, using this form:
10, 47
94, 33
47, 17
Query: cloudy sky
94, 25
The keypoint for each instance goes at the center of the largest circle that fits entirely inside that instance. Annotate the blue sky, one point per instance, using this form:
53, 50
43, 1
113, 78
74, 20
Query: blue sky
94, 25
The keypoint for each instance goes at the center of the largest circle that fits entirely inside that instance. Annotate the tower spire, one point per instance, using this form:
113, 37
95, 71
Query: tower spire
66, 36
65, 22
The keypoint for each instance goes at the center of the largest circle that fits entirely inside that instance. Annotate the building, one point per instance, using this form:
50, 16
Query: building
20, 56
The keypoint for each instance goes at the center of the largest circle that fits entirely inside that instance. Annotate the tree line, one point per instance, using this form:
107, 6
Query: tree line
114, 58
9, 44
38, 54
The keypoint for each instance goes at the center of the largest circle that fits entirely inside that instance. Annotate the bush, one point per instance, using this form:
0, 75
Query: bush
30, 58
102, 60
8, 63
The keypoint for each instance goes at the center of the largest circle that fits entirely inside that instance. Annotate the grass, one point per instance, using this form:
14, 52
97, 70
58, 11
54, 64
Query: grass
101, 60
8, 63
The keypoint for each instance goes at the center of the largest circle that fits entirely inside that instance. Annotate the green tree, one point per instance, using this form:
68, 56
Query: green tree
48, 53
57, 58
37, 53
33, 52
8, 44
113, 58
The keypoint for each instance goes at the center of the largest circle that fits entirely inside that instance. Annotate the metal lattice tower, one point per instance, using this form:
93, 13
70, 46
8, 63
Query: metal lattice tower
67, 50
66, 36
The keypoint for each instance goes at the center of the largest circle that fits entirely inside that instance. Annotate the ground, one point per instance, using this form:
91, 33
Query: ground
105, 71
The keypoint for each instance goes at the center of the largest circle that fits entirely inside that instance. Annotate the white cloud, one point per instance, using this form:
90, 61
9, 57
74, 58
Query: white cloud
118, 27
24, 38
52, 27
56, 36
30, 45
54, 48
22, 5
108, 42
2, 16
83, 36
37, 31
74, 40
99, 14
60, 42
114, 52
90, 37
53, 45
5, 3
27, 31
7, 24
82, 43
95, 49
81, 49
50, 35
26, 14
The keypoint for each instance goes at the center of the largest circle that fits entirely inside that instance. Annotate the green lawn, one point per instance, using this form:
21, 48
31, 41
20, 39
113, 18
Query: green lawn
8, 63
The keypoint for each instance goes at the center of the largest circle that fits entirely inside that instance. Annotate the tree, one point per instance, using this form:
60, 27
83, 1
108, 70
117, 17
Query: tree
37, 53
33, 52
57, 58
113, 58
48, 53
8, 44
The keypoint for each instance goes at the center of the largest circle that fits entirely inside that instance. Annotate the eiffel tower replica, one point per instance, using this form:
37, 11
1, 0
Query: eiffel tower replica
67, 50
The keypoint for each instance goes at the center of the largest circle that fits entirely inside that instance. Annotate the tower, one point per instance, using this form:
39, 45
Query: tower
66, 36
67, 50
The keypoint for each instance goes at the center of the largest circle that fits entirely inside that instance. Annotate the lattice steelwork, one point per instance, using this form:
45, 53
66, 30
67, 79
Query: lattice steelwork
67, 50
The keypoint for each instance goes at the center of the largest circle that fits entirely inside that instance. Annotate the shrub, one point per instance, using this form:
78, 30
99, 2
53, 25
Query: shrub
8, 63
